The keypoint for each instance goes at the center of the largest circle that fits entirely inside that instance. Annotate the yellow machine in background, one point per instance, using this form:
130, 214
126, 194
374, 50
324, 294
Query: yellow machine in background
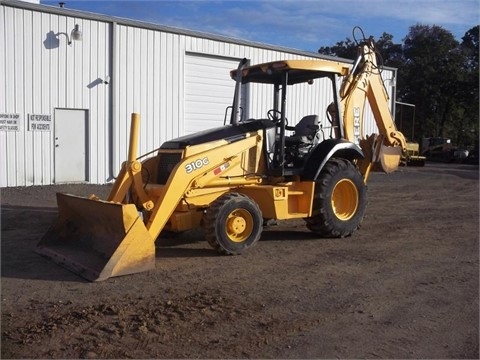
412, 156
229, 180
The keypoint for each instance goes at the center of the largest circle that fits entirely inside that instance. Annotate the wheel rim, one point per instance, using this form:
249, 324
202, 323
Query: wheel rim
345, 199
239, 225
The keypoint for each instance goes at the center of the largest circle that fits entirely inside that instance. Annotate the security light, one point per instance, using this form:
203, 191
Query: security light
76, 34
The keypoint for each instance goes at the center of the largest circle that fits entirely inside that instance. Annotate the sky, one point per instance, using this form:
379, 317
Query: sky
298, 24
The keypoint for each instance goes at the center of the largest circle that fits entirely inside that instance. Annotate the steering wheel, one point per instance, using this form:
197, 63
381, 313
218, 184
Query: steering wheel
276, 116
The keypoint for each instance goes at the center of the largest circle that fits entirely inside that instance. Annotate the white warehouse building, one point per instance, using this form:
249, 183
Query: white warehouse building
65, 104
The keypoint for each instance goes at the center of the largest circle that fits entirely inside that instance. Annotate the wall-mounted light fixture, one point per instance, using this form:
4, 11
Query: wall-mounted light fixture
390, 82
75, 35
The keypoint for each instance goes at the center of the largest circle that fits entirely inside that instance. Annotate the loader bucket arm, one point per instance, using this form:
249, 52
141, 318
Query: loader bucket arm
99, 239
131, 174
179, 182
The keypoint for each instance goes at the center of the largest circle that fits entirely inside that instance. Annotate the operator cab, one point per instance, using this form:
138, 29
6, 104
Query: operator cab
288, 147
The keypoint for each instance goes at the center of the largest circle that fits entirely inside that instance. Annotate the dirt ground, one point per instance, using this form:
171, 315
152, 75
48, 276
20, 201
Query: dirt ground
406, 285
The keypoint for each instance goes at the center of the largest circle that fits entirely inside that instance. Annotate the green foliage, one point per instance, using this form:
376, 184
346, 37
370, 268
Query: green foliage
391, 53
469, 86
437, 74
345, 49
432, 72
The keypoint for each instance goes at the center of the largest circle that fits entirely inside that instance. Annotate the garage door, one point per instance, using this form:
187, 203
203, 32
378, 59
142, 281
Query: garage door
208, 91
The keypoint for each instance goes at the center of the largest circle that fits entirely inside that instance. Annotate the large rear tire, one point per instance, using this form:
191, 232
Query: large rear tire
232, 223
340, 200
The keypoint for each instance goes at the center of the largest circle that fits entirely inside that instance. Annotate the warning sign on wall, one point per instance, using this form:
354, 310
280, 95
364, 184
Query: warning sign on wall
37, 122
10, 122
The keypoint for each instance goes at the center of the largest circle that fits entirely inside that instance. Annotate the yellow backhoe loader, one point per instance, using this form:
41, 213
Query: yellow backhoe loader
229, 180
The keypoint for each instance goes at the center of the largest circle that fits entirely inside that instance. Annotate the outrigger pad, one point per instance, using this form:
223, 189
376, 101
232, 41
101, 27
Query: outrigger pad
98, 239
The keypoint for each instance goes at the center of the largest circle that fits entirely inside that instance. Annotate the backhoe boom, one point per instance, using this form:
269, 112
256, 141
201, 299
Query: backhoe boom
364, 83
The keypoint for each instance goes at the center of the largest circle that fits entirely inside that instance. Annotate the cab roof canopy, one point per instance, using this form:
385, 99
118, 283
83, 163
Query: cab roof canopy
299, 71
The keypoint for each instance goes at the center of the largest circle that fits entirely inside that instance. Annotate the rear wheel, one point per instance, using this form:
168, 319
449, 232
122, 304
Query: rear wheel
232, 223
340, 200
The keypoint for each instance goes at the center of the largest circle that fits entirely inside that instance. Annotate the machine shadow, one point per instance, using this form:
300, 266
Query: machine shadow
183, 245
193, 244
273, 234
22, 227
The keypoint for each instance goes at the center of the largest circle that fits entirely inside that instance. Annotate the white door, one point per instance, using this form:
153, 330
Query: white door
209, 91
71, 145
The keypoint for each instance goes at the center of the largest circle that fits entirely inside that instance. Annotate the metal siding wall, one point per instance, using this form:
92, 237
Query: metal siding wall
96, 96
3, 99
148, 77
149, 81
208, 91
40, 72
8, 139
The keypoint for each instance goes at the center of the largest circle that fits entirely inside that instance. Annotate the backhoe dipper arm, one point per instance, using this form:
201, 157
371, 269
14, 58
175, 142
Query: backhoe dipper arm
365, 83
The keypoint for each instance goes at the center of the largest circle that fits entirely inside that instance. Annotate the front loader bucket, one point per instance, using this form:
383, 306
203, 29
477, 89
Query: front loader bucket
98, 239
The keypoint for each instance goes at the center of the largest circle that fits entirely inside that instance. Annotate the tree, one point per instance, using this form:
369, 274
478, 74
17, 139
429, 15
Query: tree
390, 52
345, 49
470, 45
469, 97
431, 74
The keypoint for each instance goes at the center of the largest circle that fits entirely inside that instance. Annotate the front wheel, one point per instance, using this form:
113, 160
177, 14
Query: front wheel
340, 200
232, 223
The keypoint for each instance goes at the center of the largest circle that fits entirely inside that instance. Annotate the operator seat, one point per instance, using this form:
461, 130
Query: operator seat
304, 132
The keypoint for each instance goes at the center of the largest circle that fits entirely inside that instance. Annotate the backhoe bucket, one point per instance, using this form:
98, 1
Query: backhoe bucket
98, 239
389, 158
